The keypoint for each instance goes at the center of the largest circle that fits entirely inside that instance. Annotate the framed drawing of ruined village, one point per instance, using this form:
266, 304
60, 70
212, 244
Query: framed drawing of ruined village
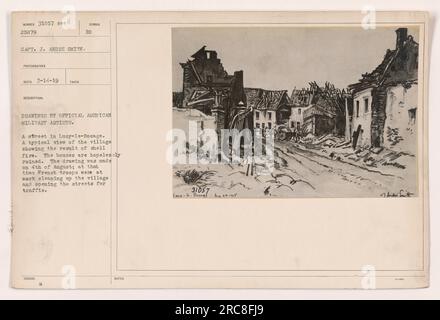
296, 111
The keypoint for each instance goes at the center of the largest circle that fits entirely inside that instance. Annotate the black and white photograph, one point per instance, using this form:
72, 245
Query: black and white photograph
220, 158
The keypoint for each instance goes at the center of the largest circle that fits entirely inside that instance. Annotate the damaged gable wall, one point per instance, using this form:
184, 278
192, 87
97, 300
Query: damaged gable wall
399, 68
205, 73
401, 71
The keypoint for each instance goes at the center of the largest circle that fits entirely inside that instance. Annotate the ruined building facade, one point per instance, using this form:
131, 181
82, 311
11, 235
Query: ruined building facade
385, 100
270, 108
208, 88
318, 110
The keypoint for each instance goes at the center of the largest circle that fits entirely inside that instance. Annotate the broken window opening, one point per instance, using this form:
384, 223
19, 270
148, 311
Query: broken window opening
412, 115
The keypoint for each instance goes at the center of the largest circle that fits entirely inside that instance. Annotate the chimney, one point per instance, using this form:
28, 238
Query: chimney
238, 80
402, 35
238, 87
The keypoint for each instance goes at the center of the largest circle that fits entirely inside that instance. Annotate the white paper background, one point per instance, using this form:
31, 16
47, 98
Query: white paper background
433, 6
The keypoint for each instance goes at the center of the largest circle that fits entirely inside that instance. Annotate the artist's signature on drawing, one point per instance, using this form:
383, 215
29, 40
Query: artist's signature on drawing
401, 194
226, 195
203, 192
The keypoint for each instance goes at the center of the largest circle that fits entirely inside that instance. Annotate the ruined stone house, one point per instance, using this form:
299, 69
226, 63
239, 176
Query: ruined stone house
209, 88
385, 100
301, 101
312, 111
270, 108
319, 119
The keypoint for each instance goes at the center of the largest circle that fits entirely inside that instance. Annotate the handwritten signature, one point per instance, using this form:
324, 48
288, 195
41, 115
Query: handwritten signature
401, 194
